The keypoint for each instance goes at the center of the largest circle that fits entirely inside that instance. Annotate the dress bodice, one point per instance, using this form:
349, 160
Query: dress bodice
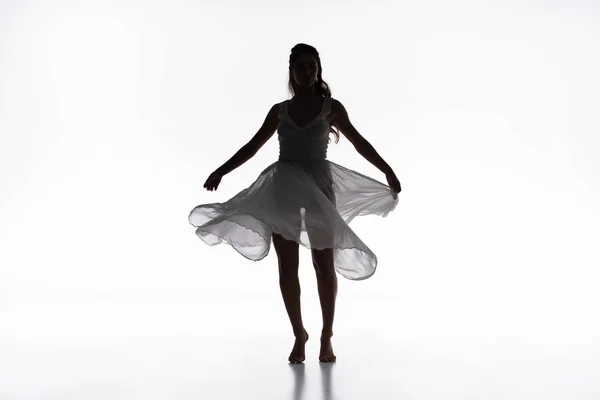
303, 143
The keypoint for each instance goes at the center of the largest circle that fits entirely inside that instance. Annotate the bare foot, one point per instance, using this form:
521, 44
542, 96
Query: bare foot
326, 355
297, 355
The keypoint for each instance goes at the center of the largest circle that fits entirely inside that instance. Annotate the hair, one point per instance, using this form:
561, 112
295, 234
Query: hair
321, 87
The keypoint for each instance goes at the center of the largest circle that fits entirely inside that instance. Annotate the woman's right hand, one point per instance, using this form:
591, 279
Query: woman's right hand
213, 180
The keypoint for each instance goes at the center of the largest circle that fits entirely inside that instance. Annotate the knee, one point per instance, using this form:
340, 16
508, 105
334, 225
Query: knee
287, 256
325, 273
288, 267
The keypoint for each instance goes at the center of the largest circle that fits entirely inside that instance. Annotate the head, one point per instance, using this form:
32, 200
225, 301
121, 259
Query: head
305, 71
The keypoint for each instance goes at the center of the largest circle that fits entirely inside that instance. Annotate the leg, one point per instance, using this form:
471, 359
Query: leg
327, 286
319, 229
287, 256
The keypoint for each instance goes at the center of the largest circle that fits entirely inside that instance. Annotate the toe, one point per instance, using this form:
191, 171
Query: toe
327, 359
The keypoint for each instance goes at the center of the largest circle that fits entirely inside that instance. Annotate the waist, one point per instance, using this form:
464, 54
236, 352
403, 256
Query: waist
302, 159
301, 156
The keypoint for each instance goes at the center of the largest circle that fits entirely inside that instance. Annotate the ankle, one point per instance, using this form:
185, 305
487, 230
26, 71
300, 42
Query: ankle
302, 333
326, 334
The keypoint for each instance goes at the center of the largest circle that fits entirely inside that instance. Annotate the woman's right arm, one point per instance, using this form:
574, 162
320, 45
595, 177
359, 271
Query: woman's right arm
248, 150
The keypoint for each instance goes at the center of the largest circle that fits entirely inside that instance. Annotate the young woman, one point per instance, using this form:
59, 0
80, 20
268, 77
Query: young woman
303, 198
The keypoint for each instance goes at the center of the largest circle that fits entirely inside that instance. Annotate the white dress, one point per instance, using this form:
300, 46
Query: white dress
304, 197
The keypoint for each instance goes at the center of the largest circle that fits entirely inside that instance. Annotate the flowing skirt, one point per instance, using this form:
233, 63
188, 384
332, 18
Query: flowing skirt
311, 203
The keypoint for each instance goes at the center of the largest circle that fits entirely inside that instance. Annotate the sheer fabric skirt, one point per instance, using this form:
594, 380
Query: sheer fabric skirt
311, 203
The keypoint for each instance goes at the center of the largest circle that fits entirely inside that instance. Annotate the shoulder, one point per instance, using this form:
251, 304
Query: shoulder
272, 119
279, 107
337, 107
338, 111
276, 110
342, 121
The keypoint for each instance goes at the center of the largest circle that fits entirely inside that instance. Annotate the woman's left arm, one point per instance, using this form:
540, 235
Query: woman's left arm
362, 145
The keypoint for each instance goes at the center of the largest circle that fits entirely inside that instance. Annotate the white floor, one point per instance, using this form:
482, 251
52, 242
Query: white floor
93, 351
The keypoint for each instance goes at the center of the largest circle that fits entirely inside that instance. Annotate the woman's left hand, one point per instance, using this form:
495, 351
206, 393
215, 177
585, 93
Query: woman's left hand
393, 181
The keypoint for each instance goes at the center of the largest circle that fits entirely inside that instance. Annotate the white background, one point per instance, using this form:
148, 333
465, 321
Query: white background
113, 114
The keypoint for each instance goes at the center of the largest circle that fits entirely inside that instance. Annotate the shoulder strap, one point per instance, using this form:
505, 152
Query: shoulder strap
282, 113
327, 106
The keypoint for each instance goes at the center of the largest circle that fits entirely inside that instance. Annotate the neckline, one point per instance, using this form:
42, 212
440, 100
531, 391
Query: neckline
311, 122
